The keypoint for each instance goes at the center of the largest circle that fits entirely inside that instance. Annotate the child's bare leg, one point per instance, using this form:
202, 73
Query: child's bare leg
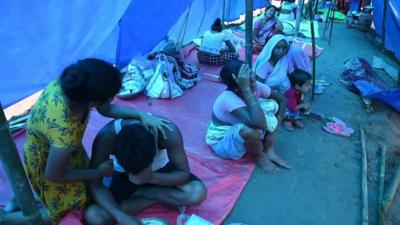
95, 215
254, 146
270, 151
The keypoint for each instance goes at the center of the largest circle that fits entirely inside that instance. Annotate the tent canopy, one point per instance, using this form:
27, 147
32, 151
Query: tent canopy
39, 38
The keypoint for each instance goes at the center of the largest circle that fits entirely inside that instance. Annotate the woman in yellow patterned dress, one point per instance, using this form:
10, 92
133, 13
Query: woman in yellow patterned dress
55, 160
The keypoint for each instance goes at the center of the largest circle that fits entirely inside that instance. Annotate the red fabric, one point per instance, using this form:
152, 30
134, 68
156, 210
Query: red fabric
293, 98
225, 179
308, 48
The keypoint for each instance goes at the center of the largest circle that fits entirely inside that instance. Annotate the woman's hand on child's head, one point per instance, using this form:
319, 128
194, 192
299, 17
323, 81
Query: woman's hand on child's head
106, 168
155, 124
243, 79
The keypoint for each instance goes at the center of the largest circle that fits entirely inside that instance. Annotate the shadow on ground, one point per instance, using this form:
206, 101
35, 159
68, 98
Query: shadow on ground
323, 188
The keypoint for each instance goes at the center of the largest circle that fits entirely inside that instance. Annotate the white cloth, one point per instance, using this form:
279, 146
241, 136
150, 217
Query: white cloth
160, 158
213, 42
226, 141
277, 79
269, 106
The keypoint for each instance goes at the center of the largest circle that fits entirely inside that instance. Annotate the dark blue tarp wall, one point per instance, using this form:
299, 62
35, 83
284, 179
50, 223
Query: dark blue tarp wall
392, 24
392, 37
145, 24
378, 16
39, 38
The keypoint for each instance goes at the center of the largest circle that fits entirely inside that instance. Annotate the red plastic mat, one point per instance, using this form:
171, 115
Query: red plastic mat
225, 179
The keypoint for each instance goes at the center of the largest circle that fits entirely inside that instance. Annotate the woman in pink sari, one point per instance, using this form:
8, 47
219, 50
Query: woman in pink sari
266, 27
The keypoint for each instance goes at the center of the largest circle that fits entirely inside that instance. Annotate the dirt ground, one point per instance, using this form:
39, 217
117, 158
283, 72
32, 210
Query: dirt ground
323, 187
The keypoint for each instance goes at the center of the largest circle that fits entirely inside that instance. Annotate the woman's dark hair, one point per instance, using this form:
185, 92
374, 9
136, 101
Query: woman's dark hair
299, 77
217, 26
134, 148
90, 80
232, 67
271, 6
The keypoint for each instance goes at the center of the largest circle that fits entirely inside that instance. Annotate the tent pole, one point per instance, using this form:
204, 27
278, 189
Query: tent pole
332, 21
385, 2
298, 17
398, 77
316, 7
310, 3
327, 18
249, 32
16, 174
223, 14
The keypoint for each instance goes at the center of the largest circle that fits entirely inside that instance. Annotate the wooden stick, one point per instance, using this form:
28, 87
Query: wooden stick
391, 191
381, 215
313, 47
16, 174
249, 32
364, 186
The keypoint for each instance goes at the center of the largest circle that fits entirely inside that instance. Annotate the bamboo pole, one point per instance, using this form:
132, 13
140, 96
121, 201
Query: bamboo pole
332, 21
391, 191
16, 174
398, 77
385, 3
327, 19
316, 7
313, 47
381, 215
249, 32
223, 14
364, 185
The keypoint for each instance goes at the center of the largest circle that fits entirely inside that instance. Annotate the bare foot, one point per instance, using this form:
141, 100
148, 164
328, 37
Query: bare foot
266, 164
276, 159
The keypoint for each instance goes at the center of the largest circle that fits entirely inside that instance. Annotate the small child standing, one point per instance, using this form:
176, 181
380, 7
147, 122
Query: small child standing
300, 81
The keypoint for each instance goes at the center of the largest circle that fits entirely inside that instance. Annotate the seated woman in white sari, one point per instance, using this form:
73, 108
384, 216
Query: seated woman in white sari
272, 65
244, 120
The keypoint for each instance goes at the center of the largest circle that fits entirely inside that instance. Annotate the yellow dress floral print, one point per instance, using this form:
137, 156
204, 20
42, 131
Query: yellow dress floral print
51, 124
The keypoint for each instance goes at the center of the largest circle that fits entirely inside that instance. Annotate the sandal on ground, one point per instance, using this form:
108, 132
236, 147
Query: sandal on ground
338, 129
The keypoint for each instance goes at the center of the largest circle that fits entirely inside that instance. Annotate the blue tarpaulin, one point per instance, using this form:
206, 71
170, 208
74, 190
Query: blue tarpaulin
39, 38
145, 24
392, 24
369, 90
